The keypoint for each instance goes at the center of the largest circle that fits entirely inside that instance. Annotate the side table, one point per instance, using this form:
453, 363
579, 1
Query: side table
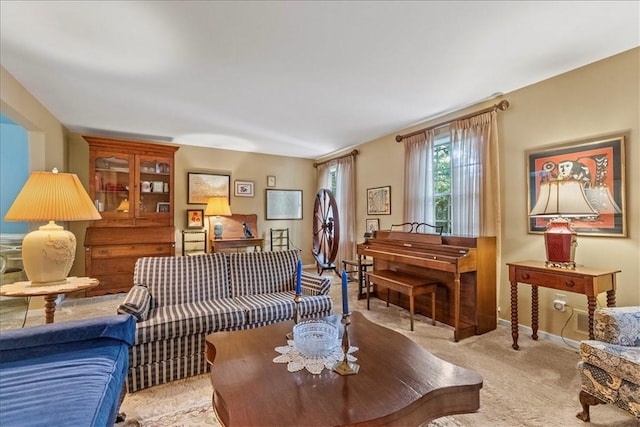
582, 280
50, 292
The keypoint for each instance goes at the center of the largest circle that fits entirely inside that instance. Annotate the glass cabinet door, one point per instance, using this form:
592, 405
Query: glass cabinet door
154, 179
111, 185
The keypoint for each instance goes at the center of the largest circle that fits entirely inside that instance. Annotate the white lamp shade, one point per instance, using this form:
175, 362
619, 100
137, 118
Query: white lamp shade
562, 198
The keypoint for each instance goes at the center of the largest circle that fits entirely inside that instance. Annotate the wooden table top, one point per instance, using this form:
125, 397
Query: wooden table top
26, 289
399, 383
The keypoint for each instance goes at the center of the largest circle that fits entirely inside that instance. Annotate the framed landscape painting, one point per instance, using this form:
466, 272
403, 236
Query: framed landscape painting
599, 166
201, 186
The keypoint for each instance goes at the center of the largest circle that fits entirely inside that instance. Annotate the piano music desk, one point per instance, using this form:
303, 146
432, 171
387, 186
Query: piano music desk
406, 284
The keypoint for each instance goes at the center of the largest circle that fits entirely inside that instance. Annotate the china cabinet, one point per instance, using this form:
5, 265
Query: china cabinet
131, 183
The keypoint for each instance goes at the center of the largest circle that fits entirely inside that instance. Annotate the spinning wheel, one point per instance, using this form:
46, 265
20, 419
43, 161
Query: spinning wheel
326, 231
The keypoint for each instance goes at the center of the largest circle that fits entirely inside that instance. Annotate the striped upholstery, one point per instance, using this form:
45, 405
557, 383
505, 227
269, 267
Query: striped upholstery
180, 280
262, 272
179, 300
279, 306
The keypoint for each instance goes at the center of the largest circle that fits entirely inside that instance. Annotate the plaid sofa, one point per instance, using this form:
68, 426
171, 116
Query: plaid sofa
610, 365
179, 300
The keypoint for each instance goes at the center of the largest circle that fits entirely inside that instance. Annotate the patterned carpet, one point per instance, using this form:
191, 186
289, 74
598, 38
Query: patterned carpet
534, 387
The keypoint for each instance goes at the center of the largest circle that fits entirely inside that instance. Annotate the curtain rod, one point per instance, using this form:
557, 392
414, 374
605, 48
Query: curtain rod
353, 153
502, 106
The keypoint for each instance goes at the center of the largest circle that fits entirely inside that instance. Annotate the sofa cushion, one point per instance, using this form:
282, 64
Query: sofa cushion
618, 325
181, 280
177, 320
252, 273
279, 306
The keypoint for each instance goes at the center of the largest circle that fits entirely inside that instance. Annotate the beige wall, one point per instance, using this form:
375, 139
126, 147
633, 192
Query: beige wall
599, 99
291, 174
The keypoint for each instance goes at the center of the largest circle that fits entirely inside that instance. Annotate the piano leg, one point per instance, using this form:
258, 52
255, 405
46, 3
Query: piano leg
456, 296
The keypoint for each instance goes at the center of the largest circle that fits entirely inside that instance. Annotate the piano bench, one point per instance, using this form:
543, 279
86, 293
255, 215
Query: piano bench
406, 284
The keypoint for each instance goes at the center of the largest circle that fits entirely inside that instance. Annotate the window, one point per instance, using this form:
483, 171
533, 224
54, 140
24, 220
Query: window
333, 178
441, 156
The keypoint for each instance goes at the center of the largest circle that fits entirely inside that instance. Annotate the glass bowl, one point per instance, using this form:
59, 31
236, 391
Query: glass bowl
315, 338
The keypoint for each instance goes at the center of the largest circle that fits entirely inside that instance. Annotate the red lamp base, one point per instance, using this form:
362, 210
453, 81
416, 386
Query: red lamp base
560, 241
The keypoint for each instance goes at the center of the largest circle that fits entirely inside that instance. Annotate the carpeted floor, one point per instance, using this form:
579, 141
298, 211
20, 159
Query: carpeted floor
535, 386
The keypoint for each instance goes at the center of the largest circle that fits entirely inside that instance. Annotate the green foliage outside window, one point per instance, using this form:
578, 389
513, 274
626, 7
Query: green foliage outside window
442, 185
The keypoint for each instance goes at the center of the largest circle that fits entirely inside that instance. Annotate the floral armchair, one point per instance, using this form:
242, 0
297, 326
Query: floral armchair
610, 365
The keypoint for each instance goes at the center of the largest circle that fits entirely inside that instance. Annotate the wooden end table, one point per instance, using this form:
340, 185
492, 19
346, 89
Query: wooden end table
398, 383
50, 292
583, 280
218, 245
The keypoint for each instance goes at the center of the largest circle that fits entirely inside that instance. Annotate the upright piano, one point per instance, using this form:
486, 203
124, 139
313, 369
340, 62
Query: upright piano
464, 267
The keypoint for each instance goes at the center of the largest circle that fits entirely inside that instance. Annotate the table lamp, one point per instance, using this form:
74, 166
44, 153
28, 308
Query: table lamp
217, 206
48, 253
123, 206
561, 200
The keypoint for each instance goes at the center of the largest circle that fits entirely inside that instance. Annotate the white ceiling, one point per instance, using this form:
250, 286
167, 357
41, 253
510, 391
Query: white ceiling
295, 78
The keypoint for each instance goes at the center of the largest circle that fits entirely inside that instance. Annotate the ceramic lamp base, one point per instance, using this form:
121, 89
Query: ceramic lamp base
48, 254
560, 242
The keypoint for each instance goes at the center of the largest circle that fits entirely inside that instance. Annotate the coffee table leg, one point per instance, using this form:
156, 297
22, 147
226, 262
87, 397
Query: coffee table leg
50, 307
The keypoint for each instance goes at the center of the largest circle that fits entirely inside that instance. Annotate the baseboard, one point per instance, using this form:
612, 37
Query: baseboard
526, 330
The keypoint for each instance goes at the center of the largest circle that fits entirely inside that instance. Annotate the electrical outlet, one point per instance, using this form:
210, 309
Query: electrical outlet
559, 305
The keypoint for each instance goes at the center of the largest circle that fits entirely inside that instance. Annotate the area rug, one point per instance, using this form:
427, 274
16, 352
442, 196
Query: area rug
187, 403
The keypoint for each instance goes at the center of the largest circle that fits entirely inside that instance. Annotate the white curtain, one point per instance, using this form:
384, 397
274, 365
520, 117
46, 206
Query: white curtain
346, 201
475, 195
418, 179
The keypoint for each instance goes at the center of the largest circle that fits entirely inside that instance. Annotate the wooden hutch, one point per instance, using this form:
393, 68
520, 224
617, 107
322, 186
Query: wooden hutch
132, 184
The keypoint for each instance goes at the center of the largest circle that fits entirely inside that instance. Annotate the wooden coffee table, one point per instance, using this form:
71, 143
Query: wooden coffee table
399, 383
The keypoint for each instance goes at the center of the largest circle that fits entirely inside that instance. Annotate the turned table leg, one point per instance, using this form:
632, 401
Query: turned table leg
534, 312
591, 303
514, 315
50, 307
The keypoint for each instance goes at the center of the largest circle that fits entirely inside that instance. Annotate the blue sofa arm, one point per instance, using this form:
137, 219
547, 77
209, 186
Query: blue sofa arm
20, 343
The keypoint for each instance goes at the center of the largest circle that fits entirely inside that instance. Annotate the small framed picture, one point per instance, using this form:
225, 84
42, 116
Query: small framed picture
163, 207
243, 188
372, 225
379, 200
271, 181
195, 218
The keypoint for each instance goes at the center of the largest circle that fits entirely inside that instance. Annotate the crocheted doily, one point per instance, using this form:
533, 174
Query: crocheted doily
297, 361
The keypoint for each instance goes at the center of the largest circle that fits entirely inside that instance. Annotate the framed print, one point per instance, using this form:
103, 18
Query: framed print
271, 181
283, 204
372, 225
201, 186
379, 201
195, 218
163, 207
243, 188
599, 166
